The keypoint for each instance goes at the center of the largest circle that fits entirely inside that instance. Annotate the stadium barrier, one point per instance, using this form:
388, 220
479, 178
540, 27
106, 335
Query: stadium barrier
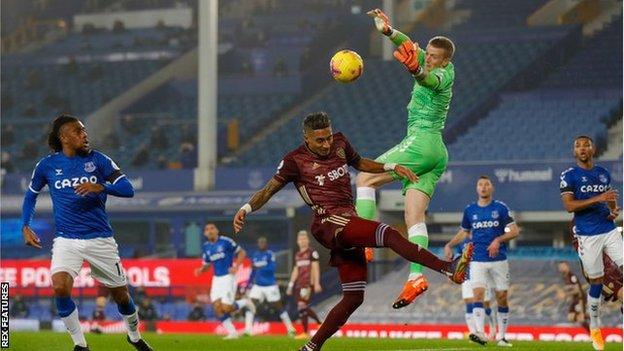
159, 277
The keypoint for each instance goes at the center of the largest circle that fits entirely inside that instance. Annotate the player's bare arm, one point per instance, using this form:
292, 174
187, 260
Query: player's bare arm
315, 276
30, 237
86, 188
370, 166
293, 278
571, 204
511, 232
257, 200
201, 270
240, 256
456, 240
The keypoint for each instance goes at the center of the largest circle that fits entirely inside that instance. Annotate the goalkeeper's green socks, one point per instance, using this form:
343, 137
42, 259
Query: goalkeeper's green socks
365, 204
417, 234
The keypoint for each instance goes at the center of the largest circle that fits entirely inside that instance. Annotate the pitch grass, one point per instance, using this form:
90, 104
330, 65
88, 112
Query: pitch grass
50, 341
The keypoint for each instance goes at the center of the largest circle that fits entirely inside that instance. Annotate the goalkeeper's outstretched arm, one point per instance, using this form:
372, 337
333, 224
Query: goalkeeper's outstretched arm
407, 52
382, 23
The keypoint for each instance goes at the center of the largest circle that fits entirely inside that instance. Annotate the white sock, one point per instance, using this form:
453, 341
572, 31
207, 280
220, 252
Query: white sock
470, 322
132, 326
365, 193
593, 307
503, 321
241, 303
493, 317
249, 319
72, 323
478, 314
287, 322
227, 324
418, 229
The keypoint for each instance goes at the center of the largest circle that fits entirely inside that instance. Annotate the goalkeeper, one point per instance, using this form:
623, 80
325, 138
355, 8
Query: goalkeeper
422, 150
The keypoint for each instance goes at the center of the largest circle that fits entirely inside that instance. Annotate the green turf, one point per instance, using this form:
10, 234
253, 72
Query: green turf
174, 342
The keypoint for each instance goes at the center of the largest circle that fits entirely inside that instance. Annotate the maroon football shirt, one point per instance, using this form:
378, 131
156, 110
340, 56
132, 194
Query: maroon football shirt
303, 261
323, 182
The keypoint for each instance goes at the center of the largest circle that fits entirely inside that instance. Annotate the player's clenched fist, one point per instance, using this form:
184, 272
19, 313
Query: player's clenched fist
405, 173
239, 220
30, 238
86, 188
609, 195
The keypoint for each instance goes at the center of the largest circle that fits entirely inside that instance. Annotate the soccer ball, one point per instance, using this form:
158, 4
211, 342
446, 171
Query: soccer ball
346, 66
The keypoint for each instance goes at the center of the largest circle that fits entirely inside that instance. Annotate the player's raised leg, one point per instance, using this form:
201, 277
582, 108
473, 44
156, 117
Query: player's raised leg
359, 232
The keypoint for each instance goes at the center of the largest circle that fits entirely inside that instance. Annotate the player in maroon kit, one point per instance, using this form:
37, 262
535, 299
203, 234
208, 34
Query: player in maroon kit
574, 290
612, 284
305, 280
319, 170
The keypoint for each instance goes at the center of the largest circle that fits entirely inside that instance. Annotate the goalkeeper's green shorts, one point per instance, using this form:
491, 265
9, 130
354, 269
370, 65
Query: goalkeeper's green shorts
425, 154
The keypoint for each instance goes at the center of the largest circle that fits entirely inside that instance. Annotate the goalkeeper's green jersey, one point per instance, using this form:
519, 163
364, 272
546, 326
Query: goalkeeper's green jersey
428, 107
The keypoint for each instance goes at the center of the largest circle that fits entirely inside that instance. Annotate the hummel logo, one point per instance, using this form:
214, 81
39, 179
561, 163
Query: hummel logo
58, 172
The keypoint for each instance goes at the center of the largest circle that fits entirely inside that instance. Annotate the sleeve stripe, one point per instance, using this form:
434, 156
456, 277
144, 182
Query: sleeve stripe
465, 229
510, 223
567, 192
118, 178
33, 190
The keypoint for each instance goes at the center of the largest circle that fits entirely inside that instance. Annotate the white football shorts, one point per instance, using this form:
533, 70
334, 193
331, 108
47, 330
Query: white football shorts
590, 251
271, 293
102, 254
496, 272
223, 288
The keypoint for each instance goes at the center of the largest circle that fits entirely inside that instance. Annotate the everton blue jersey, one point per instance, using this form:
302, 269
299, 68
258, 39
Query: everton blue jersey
76, 217
585, 184
220, 254
264, 268
486, 224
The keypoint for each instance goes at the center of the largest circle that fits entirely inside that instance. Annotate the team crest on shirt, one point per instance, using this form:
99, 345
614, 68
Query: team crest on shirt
341, 153
315, 165
603, 178
320, 179
89, 166
494, 214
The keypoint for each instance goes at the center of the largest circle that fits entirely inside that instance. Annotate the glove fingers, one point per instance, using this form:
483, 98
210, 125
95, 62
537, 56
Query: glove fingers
398, 56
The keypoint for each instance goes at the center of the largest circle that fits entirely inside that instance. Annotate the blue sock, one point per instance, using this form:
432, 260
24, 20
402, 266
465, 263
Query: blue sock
65, 306
127, 309
595, 290
224, 317
503, 309
477, 305
488, 311
469, 307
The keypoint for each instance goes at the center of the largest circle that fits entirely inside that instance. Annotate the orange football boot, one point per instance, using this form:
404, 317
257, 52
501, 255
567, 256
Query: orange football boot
411, 290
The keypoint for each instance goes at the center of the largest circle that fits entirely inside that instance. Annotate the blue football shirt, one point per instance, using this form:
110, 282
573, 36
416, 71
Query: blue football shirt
76, 217
486, 224
585, 184
220, 254
264, 268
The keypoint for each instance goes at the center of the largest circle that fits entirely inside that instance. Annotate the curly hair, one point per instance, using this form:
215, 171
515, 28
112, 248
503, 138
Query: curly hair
54, 141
